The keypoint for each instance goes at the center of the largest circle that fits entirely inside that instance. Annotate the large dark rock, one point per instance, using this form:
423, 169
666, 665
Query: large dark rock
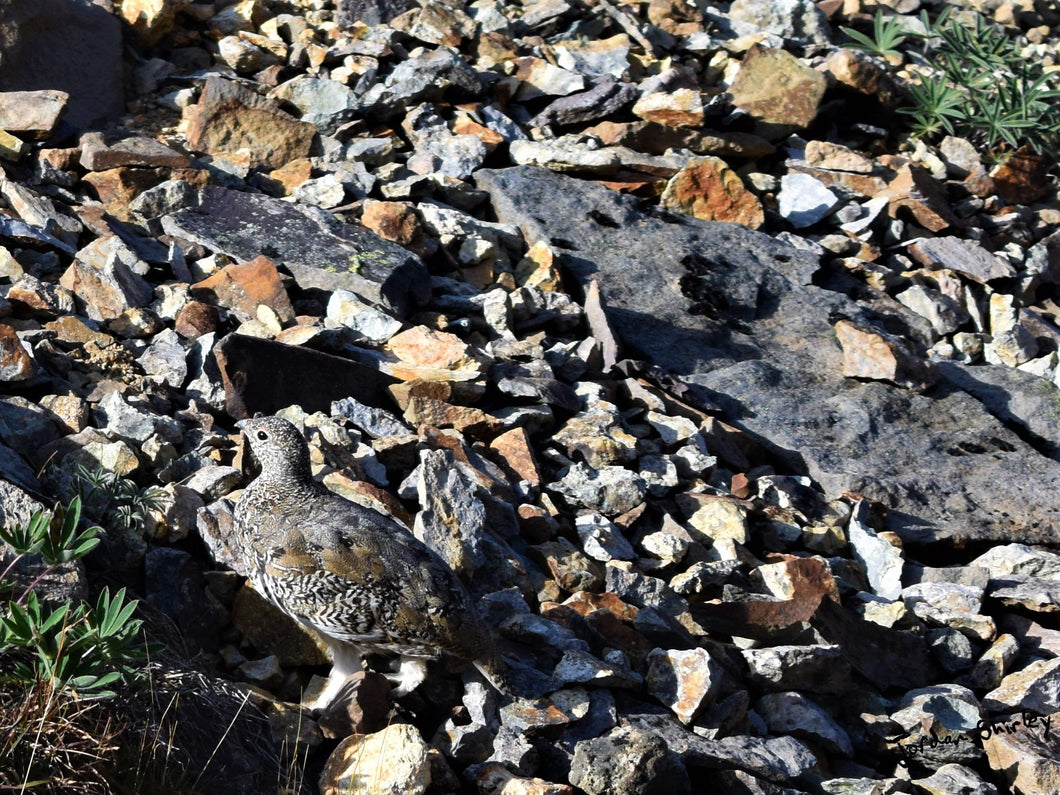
737, 313
265, 376
320, 251
70, 45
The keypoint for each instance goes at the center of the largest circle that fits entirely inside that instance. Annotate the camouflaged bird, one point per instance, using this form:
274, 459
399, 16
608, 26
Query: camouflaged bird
359, 578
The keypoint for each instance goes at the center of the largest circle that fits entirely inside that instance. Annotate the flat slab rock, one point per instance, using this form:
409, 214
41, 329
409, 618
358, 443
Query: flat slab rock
318, 250
736, 312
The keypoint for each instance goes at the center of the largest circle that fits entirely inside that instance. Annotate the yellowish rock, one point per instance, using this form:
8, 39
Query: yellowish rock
393, 761
715, 517
680, 108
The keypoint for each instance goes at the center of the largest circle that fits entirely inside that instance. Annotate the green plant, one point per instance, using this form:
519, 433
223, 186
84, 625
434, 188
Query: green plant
979, 86
888, 34
54, 535
85, 648
116, 501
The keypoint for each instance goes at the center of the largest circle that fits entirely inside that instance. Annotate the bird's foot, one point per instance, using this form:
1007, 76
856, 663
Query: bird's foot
408, 676
326, 697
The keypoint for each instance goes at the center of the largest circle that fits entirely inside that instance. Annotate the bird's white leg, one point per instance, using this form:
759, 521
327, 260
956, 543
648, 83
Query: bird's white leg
408, 676
346, 661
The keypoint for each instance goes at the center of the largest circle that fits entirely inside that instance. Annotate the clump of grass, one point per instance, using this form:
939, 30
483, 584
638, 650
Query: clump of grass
975, 84
52, 744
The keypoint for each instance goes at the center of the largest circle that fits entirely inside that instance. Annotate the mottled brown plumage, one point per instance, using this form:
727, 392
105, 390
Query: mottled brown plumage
356, 576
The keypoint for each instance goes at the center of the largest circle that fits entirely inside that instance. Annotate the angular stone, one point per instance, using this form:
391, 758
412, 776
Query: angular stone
952, 779
709, 190
961, 255
778, 90
425, 411
611, 490
539, 78
434, 355
88, 66
873, 355
1026, 758
656, 139
794, 714
565, 154
166, 197
801, 20
150, 19
493, 778
715, 517
804, 200
628, 760
685, 680
1033, 593
34, 112
317, 249
916, 191
1035, 688
602, 540
234, 122
948, 714
16, 364
514, 449
105, 281
864, 74
325, 103
117, 188
882, 560
242, 288
392, 760
604, 97
313, 380
680, 108
1023, 176
100, 152
423, 77
247, 52
824, 154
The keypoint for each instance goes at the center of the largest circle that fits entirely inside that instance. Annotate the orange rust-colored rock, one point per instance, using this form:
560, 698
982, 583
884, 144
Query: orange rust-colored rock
515, 451
711, 191
15, 363
1023, 177
243, 287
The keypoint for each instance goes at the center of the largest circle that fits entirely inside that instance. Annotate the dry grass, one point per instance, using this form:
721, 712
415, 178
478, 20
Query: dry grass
186, 734
52, 743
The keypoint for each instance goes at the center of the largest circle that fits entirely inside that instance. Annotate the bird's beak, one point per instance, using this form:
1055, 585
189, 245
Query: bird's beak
241, 424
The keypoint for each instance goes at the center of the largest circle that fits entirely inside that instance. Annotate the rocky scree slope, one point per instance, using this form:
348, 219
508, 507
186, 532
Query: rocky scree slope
735, 412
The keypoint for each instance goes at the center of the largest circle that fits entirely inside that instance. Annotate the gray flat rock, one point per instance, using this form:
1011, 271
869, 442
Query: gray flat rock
736, 312
320, 251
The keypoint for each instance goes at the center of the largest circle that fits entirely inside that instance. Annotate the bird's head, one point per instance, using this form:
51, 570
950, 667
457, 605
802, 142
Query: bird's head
279, 448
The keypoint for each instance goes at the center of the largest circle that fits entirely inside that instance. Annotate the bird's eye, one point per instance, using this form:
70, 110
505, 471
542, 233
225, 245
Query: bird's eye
263, 435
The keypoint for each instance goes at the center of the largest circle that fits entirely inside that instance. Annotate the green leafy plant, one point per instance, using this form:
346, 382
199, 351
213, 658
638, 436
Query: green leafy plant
888, 35
116, 501
972, 81
85, 648
979, 86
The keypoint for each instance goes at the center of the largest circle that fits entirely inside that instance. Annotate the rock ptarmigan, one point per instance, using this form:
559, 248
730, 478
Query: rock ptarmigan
357, 577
